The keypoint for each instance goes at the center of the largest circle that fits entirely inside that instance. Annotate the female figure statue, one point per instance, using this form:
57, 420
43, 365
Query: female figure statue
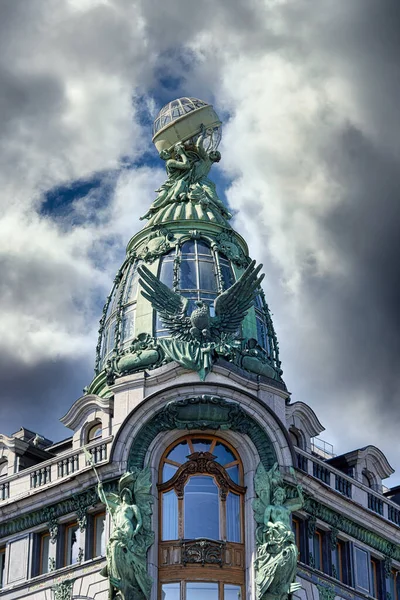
127, 546
276, 561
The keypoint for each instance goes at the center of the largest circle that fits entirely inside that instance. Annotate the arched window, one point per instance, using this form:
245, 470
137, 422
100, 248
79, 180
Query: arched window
295, 436
197, 272
201, 519
367, 479
3, 468
94, 432
121, 308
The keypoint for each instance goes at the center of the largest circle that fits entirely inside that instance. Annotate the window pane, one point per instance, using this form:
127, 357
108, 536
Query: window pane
44, 553
232, 592
201, 445
130, 291
362, 567
261, 333
188, 248
317, 551
168, 471
72, 545
201, 591
128, 325
207, 276
2, 566
180, 452
170, 516
170, 591
233, 517
223, 454
233, 473
188, 275
201, 508
203, 248
227, 276
99, 535
167, 273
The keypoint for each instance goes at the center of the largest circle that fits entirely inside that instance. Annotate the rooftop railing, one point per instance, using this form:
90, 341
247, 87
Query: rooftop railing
348, 486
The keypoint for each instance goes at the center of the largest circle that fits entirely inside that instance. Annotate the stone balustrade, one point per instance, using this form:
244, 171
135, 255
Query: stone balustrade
51, 471
348, 487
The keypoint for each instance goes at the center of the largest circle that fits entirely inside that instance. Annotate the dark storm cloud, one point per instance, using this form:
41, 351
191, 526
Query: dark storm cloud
36, 396
361, 310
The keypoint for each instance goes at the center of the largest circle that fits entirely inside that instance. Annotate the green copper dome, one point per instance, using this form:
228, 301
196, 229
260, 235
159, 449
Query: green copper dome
187, 290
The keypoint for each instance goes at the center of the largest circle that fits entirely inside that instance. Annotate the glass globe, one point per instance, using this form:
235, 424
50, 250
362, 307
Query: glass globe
182, 120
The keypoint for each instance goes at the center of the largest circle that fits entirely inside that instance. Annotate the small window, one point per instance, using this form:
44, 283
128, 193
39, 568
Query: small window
375, 577
298, 527
72, 548
394, 585
98, 535
44, 552
317, 550
362, 569
2, 566
94, 432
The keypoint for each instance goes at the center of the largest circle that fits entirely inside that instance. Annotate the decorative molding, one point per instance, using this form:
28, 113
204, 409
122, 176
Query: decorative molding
83, 407
201, 412
50, 514
306, 416
52, 523
202, 462
63, 590
355, 530
326, 592
203, 552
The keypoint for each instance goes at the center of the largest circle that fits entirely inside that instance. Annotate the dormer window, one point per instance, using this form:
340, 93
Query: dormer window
94, 432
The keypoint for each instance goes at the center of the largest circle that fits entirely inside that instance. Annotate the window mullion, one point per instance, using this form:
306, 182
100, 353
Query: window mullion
222, 517
181, 532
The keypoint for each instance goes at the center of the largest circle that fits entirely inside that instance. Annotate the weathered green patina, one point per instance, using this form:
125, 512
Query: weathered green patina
63, 590
187, 207
276, 560
131, 536
200, 412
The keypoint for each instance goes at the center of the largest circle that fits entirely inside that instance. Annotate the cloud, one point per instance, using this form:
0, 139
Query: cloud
308, 93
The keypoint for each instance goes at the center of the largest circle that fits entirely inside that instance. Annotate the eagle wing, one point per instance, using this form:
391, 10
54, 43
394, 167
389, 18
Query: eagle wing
232, 306
170, 306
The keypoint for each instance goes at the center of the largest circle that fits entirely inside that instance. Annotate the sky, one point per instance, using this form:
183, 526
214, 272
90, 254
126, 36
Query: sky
308, 92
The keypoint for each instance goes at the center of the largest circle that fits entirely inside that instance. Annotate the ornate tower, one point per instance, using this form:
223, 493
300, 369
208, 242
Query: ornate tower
187, 291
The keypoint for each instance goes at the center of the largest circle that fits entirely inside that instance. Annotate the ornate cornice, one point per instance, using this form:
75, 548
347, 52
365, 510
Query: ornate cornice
340, 522
83, 407
306, 415
50, 514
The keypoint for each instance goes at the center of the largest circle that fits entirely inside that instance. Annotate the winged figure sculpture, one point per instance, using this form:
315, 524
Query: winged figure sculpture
230, 307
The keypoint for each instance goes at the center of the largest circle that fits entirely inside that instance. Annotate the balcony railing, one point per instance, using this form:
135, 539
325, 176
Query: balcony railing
51, 471
343, 485
375, 504
4, 490
68, 465
41, 476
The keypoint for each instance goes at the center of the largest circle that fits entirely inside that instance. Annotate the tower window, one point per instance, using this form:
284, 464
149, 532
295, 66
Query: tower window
197, 273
